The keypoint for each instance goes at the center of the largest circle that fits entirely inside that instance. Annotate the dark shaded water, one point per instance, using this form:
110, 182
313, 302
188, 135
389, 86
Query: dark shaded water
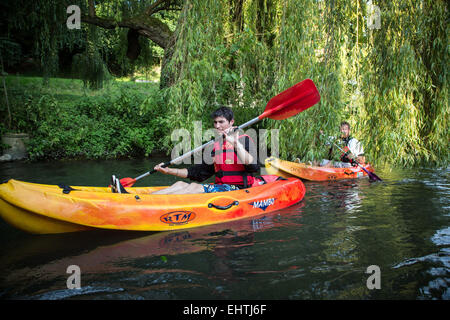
318, 249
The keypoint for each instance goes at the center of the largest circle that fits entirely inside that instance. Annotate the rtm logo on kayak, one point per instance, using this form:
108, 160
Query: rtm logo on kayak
177, 217
263, 204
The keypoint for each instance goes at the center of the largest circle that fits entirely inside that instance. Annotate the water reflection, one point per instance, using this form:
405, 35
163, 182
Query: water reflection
154, 261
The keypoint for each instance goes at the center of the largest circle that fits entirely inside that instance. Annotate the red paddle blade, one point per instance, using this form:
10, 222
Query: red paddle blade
292, 101
127, 182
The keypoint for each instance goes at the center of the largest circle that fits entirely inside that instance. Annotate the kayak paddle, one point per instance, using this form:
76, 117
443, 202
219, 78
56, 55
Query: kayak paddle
286, 104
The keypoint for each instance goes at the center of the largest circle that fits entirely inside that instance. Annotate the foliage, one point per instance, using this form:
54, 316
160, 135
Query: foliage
405, 81
40, 29
10, 51
89, 65
67, 120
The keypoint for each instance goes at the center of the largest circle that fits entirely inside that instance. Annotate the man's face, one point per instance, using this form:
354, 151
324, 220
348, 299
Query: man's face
222, 125
345, 131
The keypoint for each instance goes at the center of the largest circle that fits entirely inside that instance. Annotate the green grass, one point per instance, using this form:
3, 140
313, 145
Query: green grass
68, 91
71, 88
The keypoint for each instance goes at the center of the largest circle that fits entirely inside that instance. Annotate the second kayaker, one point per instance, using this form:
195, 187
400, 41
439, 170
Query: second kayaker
353, 150
233, 163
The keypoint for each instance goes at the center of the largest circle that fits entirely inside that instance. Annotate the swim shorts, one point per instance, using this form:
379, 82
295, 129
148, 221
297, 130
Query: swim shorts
210, 188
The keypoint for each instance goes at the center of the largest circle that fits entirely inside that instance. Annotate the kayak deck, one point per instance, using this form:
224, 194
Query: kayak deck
42, 209
313, 173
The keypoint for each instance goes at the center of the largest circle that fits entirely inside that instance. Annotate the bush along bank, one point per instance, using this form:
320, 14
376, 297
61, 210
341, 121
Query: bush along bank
123, 121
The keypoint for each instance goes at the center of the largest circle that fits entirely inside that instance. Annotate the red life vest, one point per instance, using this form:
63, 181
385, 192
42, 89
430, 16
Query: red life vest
229, 170
344, 157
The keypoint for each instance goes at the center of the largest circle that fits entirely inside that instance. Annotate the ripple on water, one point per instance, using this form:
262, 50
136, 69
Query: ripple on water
70, 293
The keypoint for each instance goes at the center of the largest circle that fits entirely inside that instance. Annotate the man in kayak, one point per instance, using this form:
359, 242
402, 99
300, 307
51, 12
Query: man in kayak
353, 150
233, 164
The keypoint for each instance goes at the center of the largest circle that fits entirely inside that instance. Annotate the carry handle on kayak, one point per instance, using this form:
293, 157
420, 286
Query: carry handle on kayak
234, 203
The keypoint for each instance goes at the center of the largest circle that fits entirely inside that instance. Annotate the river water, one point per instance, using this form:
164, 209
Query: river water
324, 247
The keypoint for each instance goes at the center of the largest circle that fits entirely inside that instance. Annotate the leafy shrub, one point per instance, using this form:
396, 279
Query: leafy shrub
123, 120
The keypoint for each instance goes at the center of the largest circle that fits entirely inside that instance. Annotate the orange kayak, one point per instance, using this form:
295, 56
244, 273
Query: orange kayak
301, 170
42, 209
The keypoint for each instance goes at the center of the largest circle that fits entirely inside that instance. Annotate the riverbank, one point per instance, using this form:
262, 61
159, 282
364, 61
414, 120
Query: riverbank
65, 120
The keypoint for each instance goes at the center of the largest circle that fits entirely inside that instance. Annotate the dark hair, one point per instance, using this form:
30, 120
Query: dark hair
225, 112
345, 123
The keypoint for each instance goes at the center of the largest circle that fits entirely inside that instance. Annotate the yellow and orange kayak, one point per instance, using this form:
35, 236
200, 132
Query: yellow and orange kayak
43, 209
289, 169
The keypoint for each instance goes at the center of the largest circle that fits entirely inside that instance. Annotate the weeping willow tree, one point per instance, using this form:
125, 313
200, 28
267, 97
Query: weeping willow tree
389, 82
405, 81
120, 34
38, 27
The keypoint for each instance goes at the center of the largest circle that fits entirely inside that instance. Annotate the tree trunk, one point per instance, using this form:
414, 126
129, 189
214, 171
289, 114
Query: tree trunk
148, 27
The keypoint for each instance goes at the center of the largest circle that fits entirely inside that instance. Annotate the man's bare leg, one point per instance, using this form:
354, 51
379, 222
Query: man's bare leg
177, 186
194, 188
181, 187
